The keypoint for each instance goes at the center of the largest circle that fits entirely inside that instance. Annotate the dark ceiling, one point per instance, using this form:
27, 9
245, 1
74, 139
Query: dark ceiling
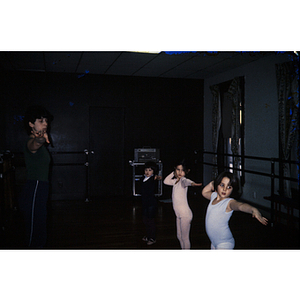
190, 65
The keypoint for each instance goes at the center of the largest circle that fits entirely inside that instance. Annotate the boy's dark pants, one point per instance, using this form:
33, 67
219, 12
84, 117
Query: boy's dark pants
149, 213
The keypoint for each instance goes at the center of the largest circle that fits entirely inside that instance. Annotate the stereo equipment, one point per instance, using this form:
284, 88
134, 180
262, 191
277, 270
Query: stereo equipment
146, 154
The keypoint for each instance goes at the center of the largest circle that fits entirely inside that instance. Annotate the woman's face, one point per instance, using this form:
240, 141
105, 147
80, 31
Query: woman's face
224, 189
179, 172
40, 125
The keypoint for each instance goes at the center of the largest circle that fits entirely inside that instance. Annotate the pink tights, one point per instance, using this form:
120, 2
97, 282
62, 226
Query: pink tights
183, 232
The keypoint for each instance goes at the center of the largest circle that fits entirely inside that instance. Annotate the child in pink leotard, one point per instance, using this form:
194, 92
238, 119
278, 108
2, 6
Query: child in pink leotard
181, 208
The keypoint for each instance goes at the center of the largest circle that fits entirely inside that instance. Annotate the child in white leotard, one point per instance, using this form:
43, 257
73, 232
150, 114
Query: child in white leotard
182, 210
220, 209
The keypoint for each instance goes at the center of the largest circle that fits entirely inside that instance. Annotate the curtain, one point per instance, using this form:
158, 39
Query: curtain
235, 92
288, 104
216, 124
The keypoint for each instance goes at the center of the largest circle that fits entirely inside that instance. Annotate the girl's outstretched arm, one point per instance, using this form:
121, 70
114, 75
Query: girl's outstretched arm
244, 207
196, 184
208, 190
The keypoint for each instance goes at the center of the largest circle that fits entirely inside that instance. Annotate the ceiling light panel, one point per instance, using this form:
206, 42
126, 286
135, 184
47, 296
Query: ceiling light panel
97, 62
161, 64
129, 63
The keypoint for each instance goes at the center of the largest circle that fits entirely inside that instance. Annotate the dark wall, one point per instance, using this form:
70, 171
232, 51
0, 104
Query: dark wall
160, 113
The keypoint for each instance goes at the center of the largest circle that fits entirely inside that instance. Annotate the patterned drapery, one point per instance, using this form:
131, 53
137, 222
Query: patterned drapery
288, 104
235, 96
235, 92
216, 124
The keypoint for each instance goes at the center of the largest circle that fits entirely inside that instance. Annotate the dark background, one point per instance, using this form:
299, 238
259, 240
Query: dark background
110, 115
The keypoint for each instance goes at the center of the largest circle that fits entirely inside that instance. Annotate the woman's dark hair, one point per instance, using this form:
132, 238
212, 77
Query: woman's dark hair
152, 165
233, 181
35, 112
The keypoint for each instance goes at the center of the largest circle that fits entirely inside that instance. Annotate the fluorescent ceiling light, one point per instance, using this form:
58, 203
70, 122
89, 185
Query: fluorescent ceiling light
151, 52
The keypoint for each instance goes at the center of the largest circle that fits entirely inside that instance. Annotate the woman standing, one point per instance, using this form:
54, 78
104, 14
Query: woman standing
33, 201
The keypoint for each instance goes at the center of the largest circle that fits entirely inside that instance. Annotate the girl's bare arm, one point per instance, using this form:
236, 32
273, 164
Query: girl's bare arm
244, 207
208, 190
196, 184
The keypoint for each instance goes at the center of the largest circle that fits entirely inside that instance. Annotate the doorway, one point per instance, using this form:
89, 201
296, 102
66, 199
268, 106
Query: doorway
106, 162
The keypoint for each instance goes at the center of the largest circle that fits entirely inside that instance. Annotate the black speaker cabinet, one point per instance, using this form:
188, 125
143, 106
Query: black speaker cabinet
146, 154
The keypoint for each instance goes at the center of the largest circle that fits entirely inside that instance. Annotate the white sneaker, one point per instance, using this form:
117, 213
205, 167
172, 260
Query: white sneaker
151, 242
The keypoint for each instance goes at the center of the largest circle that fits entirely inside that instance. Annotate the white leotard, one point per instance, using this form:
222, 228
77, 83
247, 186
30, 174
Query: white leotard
216, 222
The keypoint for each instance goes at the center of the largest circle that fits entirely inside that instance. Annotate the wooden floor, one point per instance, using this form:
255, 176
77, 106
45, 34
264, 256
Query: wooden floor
116, 223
